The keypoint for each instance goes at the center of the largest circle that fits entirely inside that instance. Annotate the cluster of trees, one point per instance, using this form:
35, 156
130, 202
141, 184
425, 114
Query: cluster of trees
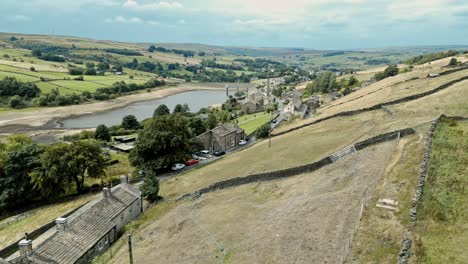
421, 59
185, 53
261, 63
122, 87
18, 92
91, 69
391, 70
214, 64
33, 172
325, 82
125, 52
47, 56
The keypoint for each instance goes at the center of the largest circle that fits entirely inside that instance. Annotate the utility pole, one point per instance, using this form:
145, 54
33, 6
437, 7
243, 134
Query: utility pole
130, 248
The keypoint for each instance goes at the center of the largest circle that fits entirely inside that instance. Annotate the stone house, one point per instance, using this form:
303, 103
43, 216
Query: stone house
89, 231
221, 138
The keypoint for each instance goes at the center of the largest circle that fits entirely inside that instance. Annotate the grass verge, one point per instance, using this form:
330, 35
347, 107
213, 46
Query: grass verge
442, 226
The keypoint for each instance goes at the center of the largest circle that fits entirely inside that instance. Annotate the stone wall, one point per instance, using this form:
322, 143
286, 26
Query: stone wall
405, 251
307, 168
378, 106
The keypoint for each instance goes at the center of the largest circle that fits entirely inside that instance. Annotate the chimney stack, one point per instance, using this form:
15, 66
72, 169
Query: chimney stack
123, 179
62, 224
25, 247
106, 192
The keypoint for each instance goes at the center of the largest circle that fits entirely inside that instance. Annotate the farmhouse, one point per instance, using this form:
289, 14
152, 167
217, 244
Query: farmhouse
221, 138
89, 231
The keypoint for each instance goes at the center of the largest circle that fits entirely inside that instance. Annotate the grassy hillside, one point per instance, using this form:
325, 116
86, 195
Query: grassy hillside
380, 232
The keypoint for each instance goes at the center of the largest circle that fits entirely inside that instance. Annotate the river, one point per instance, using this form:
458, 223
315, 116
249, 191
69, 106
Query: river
142, 110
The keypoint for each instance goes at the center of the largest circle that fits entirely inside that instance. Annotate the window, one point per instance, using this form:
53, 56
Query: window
100, 245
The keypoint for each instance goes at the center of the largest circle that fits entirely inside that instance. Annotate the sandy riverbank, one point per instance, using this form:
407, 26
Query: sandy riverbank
40, 117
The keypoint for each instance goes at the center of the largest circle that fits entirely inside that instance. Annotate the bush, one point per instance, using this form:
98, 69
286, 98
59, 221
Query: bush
150, 187
263, 131
15, 102
32, 69
102, 133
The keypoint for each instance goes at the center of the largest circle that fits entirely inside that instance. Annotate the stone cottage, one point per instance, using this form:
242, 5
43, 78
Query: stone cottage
221, 138
88, 232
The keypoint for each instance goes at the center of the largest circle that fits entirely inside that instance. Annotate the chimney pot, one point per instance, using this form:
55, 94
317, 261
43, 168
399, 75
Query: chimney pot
106, 192
62, 224
25, 246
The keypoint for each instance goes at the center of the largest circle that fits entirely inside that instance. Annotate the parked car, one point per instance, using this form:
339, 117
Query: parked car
177, 166
219, 153
242, 142
191, 162
205, 152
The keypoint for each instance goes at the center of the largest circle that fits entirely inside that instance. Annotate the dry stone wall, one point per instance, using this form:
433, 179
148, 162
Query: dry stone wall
379, 106
274, 175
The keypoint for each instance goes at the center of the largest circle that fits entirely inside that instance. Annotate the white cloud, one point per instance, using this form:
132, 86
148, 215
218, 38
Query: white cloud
181, 21
122, 19
130, 20
152, 5
18, 18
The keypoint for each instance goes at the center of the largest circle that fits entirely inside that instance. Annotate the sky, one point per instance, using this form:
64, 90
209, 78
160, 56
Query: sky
316, 24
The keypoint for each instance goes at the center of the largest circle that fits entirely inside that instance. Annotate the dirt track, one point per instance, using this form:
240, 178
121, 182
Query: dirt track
303, 219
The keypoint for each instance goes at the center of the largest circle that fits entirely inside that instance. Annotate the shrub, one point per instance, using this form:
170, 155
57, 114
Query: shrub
263, 131
150, 187
102, 133
15, 102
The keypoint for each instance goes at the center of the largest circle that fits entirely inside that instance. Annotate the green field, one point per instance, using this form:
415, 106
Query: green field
442, 218
252, 122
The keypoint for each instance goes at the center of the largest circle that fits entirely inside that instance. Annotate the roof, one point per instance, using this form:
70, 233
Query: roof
124, 146
86, 228
224, 129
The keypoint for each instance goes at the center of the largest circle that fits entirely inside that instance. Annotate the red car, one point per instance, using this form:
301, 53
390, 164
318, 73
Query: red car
191, 162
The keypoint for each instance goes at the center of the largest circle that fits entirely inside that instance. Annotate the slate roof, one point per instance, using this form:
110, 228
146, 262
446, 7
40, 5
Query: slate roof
85, 229
223, 130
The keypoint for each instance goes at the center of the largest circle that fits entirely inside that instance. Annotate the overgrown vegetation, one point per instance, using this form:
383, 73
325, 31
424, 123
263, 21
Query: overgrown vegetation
442, 218
421, 59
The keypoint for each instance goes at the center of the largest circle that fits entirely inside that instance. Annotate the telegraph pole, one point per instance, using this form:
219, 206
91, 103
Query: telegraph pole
130, 254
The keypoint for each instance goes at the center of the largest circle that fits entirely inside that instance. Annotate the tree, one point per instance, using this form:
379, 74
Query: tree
36, 53
90, 71
161, 110
212, 121
102, 133
150, 187
50, 178
324, 83
185, 108
15, 101
263, 131
163, 141
32, 69
88, 161
13, 38
201, 53
352, 80
391, 70
196, 125
130, 122
178, 109
18, 157
453, 62
68, 163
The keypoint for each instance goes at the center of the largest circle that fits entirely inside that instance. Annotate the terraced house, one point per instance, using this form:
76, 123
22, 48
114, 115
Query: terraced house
88, 232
